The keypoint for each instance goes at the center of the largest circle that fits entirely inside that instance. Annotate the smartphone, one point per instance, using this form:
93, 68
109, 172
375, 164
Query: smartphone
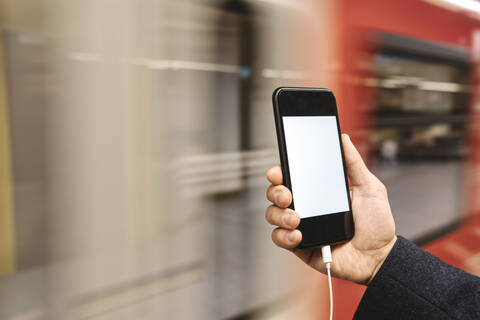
313, 164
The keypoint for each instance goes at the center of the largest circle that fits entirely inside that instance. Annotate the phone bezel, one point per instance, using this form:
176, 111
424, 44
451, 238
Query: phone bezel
290, 101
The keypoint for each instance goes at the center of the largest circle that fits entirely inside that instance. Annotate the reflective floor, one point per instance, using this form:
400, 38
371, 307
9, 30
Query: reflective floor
424, 197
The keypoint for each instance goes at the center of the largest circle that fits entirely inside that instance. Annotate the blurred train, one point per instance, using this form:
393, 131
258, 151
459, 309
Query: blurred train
135, 137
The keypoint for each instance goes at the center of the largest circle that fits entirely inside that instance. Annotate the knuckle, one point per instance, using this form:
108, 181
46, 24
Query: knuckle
278, 237
275, 236
268, 213
269, 191
272, 191
273, 215
287, 199
276, 189
284, 197
381, 187
376, 187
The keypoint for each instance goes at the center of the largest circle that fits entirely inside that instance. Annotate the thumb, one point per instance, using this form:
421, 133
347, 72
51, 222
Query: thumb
357, 171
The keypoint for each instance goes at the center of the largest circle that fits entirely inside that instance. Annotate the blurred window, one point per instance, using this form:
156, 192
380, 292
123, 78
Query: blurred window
419, 137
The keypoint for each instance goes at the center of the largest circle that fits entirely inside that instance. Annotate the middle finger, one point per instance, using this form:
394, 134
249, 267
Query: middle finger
284, 218
279, 195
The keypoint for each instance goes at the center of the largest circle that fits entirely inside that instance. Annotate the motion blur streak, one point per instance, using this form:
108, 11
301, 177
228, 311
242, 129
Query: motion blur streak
135, 136
141, 133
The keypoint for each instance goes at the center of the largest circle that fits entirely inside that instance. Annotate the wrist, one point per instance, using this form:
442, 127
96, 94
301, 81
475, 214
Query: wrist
381, 257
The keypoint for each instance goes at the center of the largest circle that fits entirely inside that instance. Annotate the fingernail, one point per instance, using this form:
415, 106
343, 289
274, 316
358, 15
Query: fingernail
291, 236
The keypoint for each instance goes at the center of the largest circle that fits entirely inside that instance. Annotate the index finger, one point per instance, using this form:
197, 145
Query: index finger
274, 175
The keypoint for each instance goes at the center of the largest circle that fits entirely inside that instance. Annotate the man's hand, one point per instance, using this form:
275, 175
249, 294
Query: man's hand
359, 259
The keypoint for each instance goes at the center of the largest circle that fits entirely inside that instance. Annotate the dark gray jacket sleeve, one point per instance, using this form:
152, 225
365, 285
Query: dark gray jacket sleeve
413, 284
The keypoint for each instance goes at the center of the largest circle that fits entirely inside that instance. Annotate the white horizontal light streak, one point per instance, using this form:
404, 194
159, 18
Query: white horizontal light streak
191, 65
177, 65
282, 74
161, 64
285, 3
402, 82
440, 86
469, 5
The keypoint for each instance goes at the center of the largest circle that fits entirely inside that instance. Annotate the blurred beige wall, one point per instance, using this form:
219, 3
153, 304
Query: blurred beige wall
141, 133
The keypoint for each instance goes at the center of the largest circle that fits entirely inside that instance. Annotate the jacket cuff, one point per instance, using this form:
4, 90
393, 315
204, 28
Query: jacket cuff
396, 291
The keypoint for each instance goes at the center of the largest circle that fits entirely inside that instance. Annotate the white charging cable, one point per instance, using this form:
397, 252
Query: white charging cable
327, 259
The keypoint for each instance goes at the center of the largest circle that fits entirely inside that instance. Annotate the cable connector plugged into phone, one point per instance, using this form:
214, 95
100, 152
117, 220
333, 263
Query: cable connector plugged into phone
327, 259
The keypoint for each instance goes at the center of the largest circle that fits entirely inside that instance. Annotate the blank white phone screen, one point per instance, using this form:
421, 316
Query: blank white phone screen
315, 164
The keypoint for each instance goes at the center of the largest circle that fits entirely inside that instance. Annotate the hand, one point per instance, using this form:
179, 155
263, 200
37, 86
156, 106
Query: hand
359, 259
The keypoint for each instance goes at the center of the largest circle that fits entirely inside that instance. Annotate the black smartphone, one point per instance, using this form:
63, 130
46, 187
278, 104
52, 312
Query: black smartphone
313, 164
